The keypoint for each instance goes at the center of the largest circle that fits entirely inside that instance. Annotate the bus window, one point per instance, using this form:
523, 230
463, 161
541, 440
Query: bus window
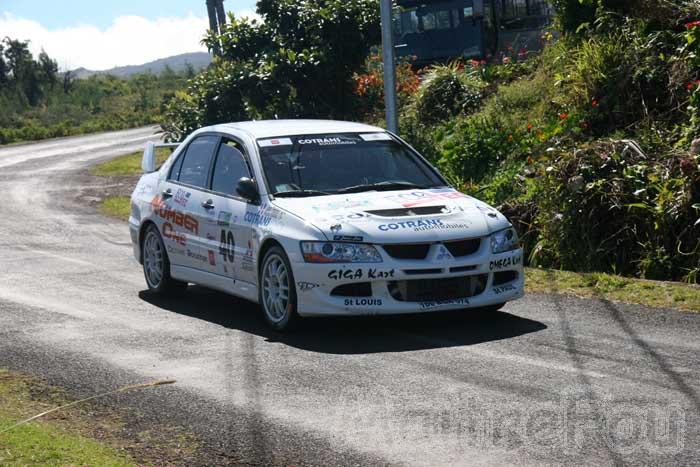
442, 19
428, 21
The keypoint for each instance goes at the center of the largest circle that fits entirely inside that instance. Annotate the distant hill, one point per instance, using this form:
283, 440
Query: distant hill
198, 60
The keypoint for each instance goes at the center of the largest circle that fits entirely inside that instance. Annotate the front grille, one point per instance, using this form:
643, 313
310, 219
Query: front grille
438, 289
463, 247
408, 250
457, 248
403, 212
357, 289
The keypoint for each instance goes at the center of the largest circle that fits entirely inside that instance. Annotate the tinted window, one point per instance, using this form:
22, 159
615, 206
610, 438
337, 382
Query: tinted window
195, 166
230, 166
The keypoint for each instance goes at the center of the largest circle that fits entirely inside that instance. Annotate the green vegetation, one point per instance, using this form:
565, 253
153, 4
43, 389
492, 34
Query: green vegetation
39, 102
586, 147
116, 206
52, 441
615, 288
127, 165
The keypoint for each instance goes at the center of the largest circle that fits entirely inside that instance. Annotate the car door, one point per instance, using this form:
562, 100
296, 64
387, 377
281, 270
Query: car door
183, 196
228, 235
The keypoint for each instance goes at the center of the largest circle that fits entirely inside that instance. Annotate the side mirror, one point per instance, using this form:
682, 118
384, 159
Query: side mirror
247, 189
148, 163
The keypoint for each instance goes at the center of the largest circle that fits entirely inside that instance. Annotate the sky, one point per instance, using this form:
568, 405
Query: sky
101, 34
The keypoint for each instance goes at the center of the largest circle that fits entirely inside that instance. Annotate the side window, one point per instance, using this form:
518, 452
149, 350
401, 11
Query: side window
194, 169
229, 167
175, 169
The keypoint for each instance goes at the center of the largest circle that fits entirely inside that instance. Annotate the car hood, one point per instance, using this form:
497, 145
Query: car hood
397, 216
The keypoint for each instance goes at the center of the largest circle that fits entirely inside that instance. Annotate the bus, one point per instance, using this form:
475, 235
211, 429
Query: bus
440, 30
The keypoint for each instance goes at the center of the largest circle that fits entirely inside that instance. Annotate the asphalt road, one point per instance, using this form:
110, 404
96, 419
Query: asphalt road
550, 380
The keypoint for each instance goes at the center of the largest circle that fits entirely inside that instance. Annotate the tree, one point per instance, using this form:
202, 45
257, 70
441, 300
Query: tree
298, 62
48, 70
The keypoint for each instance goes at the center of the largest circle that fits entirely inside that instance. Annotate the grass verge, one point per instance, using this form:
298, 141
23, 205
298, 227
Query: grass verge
116, 206
616, 288
127, 165
56, 440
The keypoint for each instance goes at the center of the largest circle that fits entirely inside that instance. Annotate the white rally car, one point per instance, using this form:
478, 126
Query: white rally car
314, 218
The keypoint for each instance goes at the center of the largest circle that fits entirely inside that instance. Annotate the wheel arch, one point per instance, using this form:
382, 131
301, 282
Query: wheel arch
264, 247
142, 230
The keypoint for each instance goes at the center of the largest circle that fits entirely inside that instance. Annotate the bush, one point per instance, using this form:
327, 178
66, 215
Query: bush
606, 206
447, 91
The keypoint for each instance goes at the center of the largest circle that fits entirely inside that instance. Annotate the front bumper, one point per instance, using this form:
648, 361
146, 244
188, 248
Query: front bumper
134, 229
315, 282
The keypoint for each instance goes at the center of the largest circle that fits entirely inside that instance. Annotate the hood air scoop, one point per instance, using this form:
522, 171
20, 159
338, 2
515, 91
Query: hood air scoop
406, 212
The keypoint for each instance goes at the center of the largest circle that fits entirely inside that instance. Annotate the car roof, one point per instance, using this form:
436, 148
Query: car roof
274, 128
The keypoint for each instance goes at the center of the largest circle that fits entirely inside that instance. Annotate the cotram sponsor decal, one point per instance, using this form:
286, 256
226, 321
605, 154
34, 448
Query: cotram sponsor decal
509, 262
262, 216
439, 303
306, 286
416, 198
362, 302
332, 141
371, 273
504, 289
421, 225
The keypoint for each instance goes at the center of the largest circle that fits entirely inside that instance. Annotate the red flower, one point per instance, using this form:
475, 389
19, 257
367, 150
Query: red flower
594, 103
563, 116
522, 52
692, 25
692, 84
529, 127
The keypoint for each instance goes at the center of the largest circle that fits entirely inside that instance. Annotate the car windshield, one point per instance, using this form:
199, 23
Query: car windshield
314, 165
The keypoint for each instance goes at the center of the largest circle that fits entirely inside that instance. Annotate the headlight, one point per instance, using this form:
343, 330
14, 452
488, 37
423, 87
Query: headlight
335, 252
504, 240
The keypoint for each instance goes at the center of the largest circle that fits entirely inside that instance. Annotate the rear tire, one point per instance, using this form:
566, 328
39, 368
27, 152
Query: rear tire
156, 265
277, 291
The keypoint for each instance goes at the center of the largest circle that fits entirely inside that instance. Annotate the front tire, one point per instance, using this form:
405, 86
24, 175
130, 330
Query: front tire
277, 292
156, 265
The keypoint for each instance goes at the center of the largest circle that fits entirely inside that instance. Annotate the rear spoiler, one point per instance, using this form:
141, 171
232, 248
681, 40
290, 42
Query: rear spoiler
148, 163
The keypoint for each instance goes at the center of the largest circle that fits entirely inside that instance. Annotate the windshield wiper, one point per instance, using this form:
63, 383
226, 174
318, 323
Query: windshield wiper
299, 193
381, 186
